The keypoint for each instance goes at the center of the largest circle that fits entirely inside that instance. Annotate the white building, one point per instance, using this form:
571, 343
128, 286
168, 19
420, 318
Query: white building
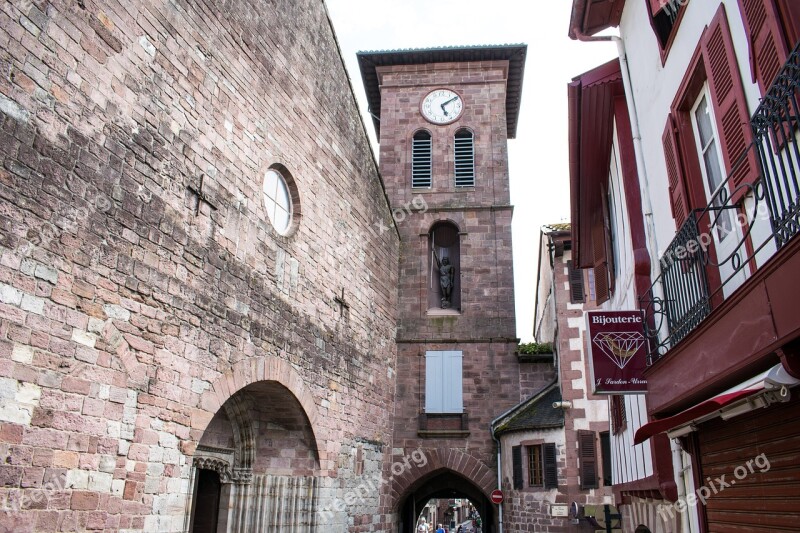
684, 174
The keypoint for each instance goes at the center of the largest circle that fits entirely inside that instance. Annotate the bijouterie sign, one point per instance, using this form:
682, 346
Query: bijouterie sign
617, 357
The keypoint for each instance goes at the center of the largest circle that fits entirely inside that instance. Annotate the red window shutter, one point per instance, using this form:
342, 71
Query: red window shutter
601, 286
587, 460
768, 50
576, 293
730, 105
678, 197
790, 14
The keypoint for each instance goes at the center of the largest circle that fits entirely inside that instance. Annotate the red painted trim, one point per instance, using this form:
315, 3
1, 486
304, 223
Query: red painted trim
693, 413
676, 382
633, 197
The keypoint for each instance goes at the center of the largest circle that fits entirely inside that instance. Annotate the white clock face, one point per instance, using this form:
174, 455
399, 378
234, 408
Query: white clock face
442, 106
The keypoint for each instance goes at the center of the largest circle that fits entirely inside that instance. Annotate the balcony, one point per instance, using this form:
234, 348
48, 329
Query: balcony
724, 250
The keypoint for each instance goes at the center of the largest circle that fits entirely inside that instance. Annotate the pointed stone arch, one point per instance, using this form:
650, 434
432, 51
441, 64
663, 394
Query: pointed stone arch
442, 460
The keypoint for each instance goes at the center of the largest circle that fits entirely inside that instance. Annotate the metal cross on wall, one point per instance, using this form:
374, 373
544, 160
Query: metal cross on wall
341, 301
202, 197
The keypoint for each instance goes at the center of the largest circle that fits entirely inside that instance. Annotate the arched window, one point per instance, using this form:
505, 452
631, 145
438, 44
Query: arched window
421, 160
444, 279
464, 151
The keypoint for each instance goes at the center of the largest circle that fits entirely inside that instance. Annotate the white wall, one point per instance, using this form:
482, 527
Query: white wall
655, 87
629, 462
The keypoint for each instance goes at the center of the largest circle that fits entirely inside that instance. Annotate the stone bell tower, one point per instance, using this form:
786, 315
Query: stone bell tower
443, 117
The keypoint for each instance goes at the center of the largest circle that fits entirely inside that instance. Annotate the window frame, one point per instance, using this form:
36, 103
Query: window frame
271, 204
456, 149
538, 472
414, 163
665, 48
444, 382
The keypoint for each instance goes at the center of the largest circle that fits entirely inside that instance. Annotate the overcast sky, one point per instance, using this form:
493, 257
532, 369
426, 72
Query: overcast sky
538, 157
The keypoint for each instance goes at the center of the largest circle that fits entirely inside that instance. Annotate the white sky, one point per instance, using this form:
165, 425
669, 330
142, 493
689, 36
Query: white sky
538, 157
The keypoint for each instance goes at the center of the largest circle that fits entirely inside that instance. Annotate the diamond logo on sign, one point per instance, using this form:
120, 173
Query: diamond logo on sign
619, 347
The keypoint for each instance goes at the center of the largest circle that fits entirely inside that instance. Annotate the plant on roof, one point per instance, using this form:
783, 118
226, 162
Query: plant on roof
535, 348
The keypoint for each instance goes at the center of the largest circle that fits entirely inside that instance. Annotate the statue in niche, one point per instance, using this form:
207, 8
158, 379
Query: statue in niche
447, 276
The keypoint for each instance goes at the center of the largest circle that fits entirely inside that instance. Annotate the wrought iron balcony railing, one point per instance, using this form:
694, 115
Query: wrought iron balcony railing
720, 246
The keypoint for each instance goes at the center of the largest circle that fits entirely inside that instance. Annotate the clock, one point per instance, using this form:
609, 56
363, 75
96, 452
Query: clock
442, 106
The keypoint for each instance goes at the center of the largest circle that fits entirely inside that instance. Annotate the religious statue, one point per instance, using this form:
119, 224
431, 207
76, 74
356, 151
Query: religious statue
447, 276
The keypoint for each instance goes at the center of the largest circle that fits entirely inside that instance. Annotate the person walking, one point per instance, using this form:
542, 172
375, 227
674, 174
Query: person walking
423, 526
440, 529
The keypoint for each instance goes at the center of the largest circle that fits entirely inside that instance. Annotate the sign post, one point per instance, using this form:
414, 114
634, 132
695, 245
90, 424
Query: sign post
617, 351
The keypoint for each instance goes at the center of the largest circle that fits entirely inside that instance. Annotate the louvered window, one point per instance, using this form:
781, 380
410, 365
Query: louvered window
421, 160
619, 416
587, 459
550, 466
576, 293
464, 150
516, 466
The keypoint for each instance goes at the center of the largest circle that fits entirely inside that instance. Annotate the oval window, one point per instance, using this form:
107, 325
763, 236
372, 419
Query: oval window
277, 201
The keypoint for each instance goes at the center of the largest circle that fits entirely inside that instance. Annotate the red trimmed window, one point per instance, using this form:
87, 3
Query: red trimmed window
714, 73
665, 17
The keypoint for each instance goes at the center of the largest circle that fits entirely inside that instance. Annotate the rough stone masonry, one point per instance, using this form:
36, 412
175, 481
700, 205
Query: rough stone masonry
135, 312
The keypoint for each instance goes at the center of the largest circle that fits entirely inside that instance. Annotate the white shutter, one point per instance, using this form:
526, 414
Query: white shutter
452, 383
434, 370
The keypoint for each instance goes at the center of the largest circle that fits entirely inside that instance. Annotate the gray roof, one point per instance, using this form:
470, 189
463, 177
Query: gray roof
534, 413
514, 53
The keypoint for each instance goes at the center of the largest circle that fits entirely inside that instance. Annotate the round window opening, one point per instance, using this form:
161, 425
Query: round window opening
277, 201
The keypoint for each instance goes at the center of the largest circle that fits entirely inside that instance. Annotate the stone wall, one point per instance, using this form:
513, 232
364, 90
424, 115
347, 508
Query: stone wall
129, 311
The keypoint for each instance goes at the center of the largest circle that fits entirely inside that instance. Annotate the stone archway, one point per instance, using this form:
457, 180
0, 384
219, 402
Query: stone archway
263, 445
447, 474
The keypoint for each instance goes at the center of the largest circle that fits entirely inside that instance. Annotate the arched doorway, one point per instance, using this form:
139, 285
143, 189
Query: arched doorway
440, 485
261, 450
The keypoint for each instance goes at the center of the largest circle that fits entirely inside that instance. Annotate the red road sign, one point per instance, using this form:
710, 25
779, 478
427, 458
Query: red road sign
497, 496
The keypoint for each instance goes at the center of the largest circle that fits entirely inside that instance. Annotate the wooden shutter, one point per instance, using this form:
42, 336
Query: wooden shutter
678, 197
516, 463
768, 49
790, 14
602, 291
587, 457
609, 243
730, 105
576, 294
550, 463
434, 372
619, 417
453, 400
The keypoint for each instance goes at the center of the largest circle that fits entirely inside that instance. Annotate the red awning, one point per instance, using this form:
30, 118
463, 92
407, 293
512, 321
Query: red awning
693, 413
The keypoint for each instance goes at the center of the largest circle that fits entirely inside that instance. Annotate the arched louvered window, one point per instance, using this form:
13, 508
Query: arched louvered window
464, 150
421, 160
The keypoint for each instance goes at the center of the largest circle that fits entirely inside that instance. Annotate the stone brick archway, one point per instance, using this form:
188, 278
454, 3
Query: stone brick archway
253, 370
263, 443
447, 474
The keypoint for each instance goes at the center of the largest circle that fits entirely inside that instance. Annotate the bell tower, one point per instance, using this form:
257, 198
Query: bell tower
443, 117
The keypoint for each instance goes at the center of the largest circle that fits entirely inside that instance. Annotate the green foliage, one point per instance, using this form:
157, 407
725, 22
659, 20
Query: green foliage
535, 348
